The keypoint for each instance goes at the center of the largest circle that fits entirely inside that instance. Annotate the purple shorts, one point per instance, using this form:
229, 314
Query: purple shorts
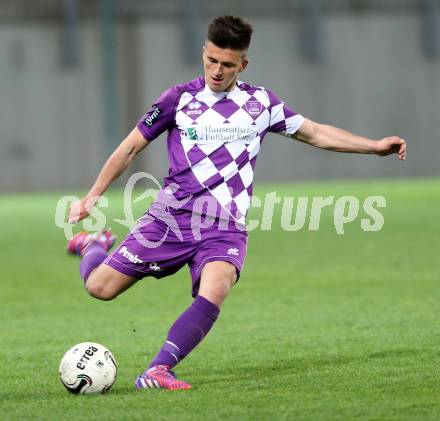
156, 248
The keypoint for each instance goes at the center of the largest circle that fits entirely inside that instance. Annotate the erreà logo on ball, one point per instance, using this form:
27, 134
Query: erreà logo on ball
150, 119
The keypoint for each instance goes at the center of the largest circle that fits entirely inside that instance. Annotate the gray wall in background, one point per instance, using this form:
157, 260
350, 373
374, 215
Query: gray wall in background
373, 80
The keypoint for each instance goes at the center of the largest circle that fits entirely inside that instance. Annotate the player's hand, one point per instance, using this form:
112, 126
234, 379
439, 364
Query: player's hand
390, 145
81, 209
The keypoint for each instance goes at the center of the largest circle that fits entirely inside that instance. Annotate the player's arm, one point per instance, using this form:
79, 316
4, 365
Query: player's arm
335, 139
112, 169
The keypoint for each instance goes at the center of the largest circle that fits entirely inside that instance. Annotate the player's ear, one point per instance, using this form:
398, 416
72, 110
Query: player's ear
244, 63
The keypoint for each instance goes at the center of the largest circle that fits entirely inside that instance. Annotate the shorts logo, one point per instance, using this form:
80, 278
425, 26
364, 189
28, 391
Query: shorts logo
153, 116
129, 256
154, 266
233, 251
254, 107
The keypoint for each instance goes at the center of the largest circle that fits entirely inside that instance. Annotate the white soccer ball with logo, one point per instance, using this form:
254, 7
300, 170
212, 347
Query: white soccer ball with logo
88, 368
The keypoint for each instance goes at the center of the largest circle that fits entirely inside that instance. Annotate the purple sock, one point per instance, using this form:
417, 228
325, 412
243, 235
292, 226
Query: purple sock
93, 257
187, 332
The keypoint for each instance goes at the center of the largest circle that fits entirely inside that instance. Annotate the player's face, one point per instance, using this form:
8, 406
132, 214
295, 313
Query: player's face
222, 66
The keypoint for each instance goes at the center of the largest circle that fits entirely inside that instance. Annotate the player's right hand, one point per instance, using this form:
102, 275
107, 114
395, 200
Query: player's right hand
81, 209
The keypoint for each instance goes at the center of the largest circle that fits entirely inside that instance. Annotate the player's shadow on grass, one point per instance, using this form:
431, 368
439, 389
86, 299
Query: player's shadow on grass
298, 366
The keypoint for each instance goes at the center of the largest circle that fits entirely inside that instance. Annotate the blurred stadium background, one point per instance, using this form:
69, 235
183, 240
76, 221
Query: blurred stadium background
321, 326
76, 75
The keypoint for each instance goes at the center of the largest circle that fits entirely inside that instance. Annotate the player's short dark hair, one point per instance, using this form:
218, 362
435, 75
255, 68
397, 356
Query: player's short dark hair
231, 32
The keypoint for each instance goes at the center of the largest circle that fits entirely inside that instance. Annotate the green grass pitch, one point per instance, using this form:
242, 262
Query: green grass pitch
321, 326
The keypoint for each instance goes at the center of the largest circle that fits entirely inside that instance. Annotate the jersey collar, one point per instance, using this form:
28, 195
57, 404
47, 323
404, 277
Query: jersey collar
222, 94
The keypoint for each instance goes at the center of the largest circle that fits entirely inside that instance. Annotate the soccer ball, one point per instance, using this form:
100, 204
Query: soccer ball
88, 368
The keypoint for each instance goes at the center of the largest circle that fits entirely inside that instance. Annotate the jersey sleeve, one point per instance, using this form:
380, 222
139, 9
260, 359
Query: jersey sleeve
161, 116
283, 119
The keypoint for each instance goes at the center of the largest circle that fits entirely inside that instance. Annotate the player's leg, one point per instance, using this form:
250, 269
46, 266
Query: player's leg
106, 283
101, 281
215, 263
196, 321
217, 279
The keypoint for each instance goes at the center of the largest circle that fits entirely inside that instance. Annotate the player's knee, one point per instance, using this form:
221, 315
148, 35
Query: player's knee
217, 281
225, 282
100, 289
227, 278
220, 291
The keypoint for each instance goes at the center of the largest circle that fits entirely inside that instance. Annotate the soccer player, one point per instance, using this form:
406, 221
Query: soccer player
215, 126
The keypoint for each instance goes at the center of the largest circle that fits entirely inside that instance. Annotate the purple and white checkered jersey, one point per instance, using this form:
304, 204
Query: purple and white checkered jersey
213, 141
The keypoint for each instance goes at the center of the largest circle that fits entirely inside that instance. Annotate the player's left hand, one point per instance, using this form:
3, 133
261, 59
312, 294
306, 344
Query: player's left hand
390, 145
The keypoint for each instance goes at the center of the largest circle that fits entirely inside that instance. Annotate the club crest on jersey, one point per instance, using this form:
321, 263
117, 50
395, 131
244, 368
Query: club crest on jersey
152, 116
254, 107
